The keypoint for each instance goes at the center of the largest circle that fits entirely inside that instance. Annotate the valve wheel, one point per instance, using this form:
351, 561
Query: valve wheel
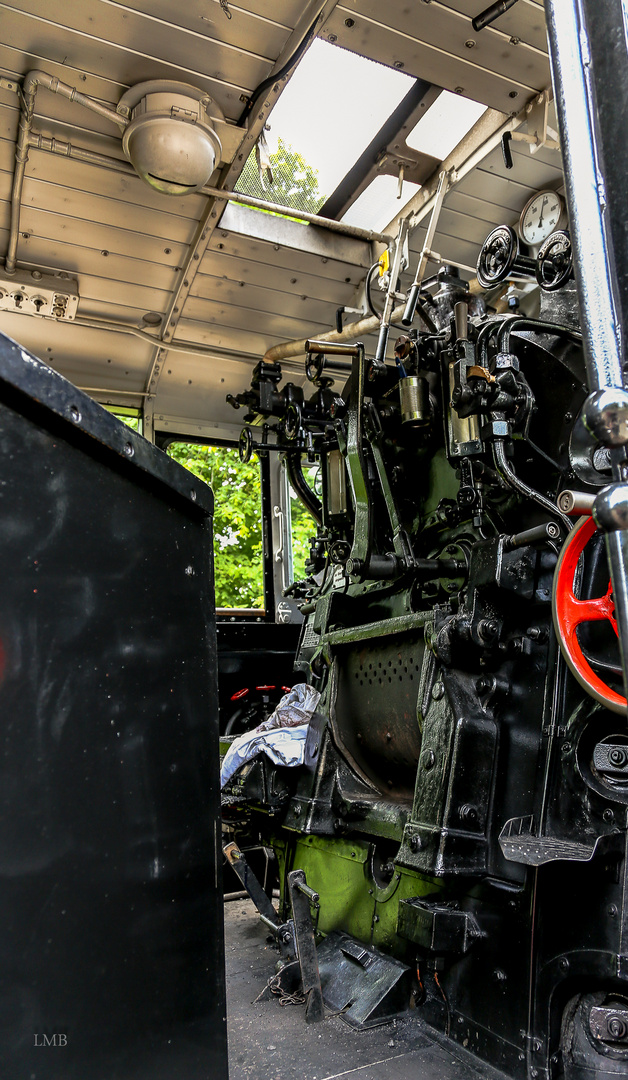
554, 262
569, 613
497, 256
245, 445
292, 421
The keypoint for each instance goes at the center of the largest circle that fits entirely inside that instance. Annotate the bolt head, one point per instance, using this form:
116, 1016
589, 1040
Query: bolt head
616, 1027
617, 757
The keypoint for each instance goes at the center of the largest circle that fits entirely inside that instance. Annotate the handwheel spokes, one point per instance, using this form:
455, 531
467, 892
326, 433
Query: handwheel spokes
570, 613
597, 609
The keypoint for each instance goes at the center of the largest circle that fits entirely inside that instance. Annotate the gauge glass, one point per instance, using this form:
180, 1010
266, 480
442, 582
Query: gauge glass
540, 217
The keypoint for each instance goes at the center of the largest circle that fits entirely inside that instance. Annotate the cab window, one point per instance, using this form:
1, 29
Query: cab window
238, 545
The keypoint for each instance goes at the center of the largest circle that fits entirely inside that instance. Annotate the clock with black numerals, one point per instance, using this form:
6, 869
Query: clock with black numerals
542, 215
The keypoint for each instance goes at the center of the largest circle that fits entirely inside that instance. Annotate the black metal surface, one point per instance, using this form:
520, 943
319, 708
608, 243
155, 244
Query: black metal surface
301, 896
387, 752
365, 986
437, 927
110, 899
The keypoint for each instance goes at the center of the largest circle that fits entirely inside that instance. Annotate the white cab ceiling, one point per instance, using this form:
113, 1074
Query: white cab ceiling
258, 280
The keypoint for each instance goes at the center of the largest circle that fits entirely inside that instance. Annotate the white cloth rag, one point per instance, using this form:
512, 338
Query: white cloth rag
281, 737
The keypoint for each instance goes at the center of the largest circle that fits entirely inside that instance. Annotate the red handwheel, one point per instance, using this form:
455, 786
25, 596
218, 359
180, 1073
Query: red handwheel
569, 613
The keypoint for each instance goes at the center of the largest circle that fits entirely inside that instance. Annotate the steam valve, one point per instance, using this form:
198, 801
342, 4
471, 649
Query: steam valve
554, 263
501, 259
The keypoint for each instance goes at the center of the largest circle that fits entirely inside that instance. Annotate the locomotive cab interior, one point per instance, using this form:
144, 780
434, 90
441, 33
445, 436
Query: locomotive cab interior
342, 284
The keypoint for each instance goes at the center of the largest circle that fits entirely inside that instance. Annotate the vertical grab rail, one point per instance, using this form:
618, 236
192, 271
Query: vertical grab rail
588, 83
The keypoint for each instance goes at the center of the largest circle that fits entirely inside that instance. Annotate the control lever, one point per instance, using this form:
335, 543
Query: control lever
506, 151
296, 937
413, 296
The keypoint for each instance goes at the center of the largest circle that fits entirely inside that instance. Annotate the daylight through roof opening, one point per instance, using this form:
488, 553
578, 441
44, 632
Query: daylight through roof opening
436, 134
444, 124
332, 108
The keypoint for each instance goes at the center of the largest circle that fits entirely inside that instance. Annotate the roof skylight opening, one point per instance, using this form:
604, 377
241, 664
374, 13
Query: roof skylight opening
444, 124
332, 108
378, 204
439, 130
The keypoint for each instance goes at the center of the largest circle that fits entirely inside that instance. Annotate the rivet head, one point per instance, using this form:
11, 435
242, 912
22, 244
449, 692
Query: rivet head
437, 691
429, 759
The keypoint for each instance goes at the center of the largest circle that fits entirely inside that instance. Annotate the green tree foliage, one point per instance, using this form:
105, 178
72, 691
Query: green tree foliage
295, 183
238, 550
303, 525
237, 520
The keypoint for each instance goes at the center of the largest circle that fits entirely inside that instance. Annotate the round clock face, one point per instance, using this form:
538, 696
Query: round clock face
540, 217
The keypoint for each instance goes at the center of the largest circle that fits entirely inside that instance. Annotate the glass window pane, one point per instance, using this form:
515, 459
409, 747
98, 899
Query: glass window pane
302, 523
238, 546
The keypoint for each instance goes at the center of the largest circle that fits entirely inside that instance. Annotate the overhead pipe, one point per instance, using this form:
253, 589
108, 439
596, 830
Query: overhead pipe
65, 149
35, 79
369, 235
188, 349
32, 81
78, 153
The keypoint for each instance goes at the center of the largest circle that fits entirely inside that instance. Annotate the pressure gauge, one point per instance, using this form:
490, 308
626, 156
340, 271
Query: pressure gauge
540, 217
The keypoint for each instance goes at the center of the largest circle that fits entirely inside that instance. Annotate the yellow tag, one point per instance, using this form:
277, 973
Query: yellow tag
384, 263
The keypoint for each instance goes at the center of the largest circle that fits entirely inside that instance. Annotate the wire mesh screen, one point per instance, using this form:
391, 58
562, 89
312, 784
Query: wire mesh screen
282, 177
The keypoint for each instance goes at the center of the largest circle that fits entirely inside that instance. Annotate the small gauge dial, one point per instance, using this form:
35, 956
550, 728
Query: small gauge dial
540, 217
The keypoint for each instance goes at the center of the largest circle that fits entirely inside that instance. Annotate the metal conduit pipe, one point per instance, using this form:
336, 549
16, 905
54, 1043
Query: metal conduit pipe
192, 348
65, 149
509, 475
32, 81
35, 79
313, 219
77, 153
21, 157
